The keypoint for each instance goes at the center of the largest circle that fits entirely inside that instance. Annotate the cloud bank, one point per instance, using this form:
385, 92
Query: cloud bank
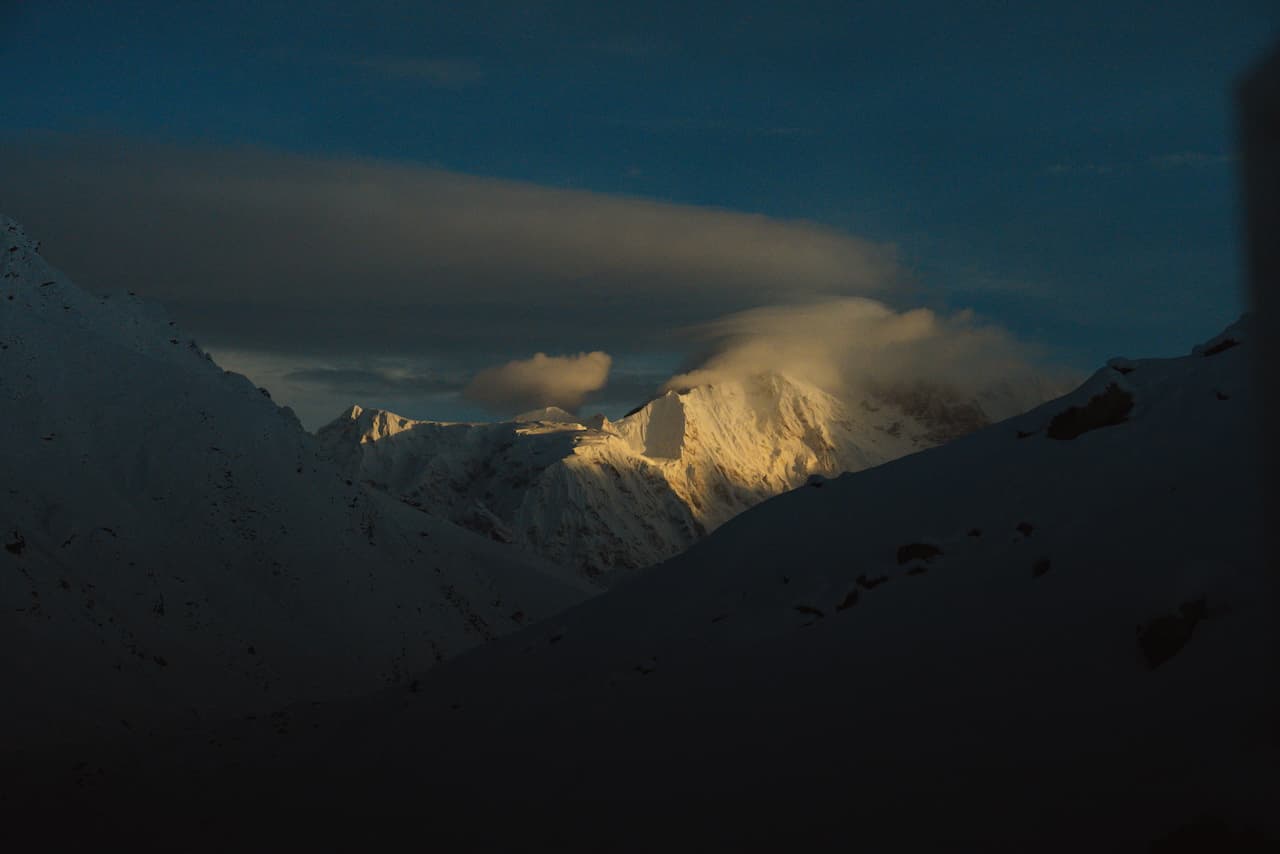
338, 280
542, 380
262, 250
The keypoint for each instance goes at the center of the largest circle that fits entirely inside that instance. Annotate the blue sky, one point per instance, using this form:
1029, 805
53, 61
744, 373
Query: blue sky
1064, 169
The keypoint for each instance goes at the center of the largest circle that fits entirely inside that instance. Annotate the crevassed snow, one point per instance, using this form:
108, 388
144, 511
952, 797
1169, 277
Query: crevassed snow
175, 548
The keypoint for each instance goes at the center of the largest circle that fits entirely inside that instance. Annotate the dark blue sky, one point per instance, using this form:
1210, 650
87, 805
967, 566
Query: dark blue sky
1065, 169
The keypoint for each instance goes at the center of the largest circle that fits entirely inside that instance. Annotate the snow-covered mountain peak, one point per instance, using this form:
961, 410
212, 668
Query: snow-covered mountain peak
37, 294
173, 542
602, 495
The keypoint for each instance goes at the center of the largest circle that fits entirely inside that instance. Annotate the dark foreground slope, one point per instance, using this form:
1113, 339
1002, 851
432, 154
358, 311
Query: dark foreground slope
1050, 635
174, 550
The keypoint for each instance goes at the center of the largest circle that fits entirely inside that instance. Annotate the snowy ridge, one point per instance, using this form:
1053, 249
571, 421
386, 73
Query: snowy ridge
1055, 630
601, 496
174, 546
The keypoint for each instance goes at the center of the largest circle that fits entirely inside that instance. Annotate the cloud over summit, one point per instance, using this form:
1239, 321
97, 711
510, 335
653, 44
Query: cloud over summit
851, 344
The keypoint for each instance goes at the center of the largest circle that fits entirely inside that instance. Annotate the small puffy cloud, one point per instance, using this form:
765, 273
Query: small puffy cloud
540, 381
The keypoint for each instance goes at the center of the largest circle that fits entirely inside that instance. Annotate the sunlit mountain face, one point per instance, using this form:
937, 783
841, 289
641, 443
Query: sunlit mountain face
601, 496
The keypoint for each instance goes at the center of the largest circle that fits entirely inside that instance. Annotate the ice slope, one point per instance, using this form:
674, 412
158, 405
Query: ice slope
602, 496
1055, 633
174, 547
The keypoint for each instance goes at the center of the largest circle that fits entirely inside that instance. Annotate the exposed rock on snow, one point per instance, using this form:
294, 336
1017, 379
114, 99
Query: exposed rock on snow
1107, 409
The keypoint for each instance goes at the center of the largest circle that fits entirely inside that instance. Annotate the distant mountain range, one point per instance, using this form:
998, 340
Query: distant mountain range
599, 495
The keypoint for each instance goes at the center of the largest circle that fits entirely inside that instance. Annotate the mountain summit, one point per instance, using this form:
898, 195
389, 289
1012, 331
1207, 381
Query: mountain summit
601, 495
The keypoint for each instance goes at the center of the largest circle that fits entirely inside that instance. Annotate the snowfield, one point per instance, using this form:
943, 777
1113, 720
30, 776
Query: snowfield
174, 548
